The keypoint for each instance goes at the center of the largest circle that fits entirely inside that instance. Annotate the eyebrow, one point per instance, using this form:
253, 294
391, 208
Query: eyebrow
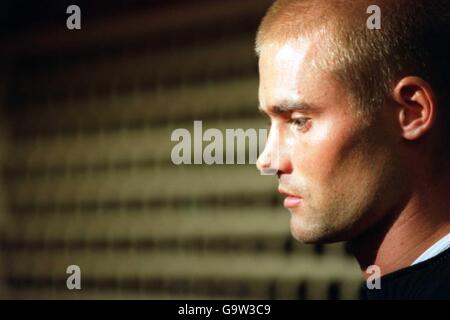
287, 107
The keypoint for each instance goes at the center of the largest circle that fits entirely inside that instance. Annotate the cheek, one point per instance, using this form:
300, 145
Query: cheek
328, 154
315, 152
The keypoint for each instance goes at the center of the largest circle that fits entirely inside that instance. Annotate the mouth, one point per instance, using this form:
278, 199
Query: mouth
291, 200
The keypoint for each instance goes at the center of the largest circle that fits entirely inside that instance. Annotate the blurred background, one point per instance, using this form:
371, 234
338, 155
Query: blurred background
85, 124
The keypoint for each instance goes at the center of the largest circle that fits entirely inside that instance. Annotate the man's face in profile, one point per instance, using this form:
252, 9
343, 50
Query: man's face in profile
341, 171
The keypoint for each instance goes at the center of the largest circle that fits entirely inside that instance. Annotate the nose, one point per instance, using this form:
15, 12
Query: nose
265, 166
268, 161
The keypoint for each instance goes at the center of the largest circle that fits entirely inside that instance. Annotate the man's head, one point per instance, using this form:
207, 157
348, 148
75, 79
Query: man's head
356, 114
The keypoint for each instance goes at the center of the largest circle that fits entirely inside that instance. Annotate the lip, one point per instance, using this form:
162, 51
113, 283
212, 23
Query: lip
291, 200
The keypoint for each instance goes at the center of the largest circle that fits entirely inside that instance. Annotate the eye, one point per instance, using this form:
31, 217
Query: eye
299, 122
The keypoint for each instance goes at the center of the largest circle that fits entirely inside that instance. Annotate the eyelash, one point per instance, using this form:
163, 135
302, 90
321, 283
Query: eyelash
292, 121
300, 123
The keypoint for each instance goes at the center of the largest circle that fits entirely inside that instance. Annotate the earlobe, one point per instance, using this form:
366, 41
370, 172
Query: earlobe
417, 107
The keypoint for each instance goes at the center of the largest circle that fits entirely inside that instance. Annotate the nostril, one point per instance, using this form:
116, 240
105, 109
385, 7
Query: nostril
269, 172
265, 166
263, 162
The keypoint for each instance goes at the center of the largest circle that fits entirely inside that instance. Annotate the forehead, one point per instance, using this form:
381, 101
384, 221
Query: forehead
289, 73
283, 67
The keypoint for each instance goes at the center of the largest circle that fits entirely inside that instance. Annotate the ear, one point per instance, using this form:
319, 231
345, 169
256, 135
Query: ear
417, 103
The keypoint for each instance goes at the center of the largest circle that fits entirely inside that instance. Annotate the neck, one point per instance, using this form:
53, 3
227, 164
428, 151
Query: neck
402, 237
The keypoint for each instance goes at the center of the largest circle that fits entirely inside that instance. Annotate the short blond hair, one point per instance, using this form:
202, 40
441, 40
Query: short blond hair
289, 19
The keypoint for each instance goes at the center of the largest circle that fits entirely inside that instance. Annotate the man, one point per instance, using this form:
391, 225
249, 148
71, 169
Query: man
359, 133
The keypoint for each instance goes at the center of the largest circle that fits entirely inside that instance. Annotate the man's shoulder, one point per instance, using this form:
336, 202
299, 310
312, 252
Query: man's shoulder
429, 279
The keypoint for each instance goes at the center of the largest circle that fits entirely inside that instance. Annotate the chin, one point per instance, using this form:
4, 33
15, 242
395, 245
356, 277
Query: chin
309, 233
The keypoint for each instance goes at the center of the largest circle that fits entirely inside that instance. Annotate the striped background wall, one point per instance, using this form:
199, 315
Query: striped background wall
4, 212
87, 175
